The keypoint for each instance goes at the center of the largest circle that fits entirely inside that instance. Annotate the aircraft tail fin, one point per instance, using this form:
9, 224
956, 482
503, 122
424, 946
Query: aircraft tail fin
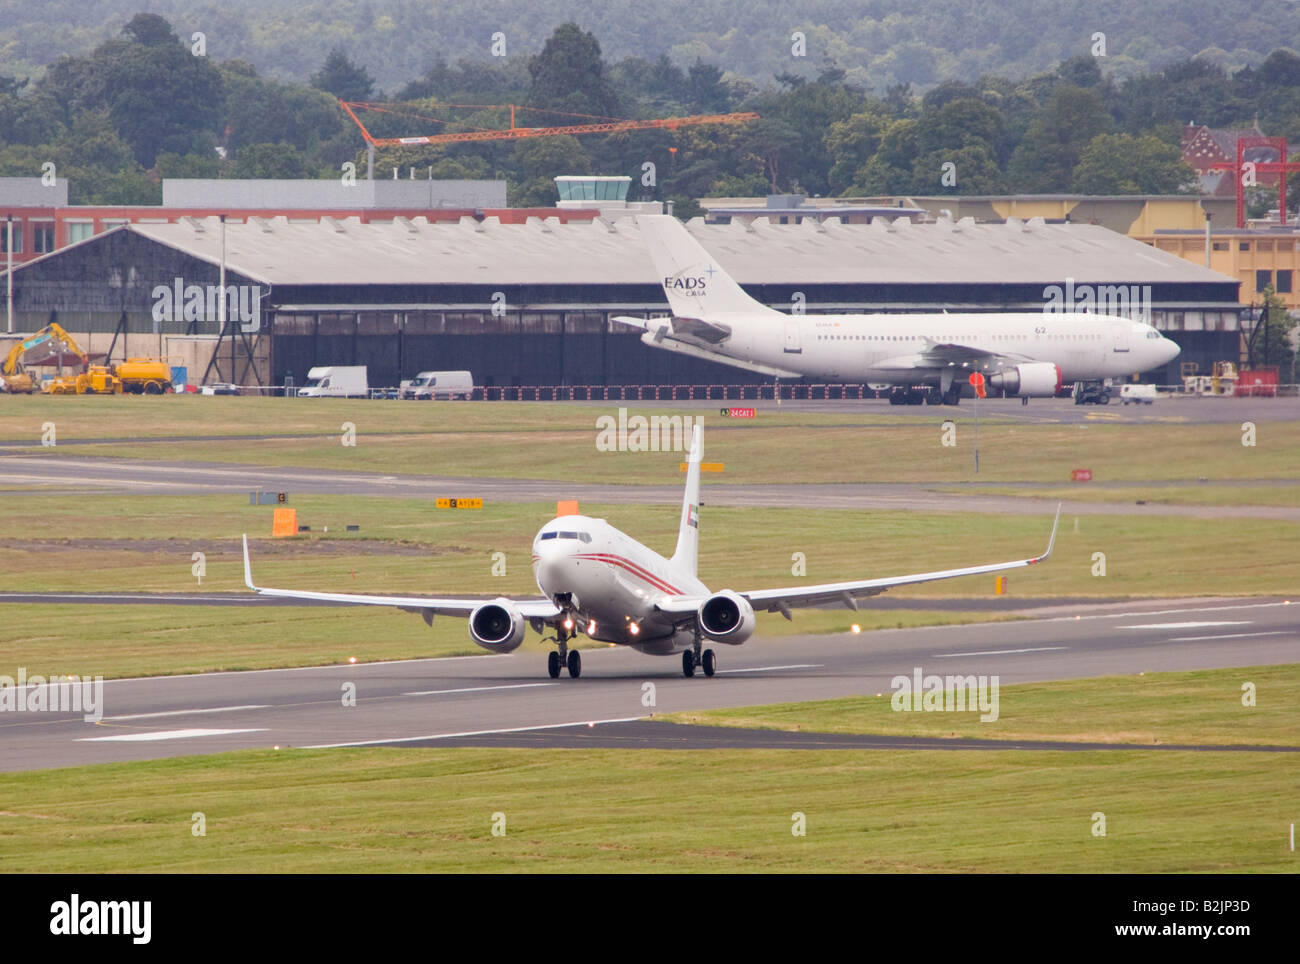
696, 287
688, 532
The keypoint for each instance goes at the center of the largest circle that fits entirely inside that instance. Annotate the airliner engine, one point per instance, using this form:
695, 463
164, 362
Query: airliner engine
726, 617
1036, 380
497, 626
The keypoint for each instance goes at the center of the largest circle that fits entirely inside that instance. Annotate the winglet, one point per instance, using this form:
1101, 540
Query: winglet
688, 533
1052, 540
248, 567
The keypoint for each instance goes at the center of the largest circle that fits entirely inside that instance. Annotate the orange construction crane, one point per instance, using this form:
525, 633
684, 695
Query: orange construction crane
604, 126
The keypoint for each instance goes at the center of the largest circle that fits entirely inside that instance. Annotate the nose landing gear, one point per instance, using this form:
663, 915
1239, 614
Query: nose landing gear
563, 656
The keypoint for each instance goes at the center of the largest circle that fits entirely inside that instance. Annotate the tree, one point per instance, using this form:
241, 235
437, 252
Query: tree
1270, 339
1124, 164
569, 75
851, 143
269, 161
342, 78
1044, 160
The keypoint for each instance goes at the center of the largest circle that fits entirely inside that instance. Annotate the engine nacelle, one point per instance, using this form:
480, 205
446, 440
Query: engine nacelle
497, 626
726, 617
1036, 380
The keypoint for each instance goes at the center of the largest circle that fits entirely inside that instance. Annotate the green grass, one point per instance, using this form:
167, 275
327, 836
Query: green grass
1196, 707
558, 441
618, 811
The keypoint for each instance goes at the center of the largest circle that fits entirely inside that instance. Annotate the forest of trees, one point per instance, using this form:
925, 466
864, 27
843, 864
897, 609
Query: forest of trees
149, 103
878, 42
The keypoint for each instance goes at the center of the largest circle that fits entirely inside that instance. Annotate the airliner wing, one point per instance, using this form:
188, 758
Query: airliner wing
697, 328
847, 594
950, 355
425, 605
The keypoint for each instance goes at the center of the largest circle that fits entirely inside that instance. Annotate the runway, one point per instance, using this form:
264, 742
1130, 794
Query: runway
103, 476
509, 700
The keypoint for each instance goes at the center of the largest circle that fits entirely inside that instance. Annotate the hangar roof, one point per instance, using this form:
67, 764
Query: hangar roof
405, 251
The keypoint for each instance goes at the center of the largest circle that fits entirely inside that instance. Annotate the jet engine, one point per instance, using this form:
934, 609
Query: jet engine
497, 626
726, 617
1036, 380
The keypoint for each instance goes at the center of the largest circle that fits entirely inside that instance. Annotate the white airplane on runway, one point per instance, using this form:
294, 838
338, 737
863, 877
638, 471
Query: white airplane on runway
1029, 354
597, 580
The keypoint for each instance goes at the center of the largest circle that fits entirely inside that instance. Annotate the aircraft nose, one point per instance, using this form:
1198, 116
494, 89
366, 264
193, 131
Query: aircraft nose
1169, 350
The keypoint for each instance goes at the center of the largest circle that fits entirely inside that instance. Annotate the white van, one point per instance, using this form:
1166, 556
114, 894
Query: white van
1138, 394
336, 381
434, 385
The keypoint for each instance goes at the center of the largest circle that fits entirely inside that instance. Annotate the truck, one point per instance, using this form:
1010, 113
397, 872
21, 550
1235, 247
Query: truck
1091, 392
1137, 394
434, 385
336, 381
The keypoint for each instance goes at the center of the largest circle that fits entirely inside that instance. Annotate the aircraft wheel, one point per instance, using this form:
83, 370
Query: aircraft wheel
710, 663
553, 664
688, 664
575, 664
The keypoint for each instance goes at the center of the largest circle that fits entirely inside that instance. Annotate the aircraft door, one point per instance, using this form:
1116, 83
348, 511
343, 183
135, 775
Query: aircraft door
793, 344
1120, 332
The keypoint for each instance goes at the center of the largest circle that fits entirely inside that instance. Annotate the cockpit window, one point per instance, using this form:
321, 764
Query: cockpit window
549, 535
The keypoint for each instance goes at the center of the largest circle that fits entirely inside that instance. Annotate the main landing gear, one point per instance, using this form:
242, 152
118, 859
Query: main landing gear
693, 657
557, 660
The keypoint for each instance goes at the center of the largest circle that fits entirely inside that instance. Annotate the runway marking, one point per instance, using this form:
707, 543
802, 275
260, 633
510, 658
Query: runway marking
479, 689
163, 735
453, 736
1192, 625
1001, 652
214, 709
1192, 639
1155, 612
764, 669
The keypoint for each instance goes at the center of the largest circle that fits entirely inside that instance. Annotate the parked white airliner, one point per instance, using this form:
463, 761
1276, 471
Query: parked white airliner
1029, 354
603, 583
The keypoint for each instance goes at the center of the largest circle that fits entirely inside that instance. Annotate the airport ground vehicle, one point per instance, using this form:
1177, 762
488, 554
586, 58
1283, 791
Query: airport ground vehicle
435, 385
1091, 392
336, 381
51, 342
1138, 394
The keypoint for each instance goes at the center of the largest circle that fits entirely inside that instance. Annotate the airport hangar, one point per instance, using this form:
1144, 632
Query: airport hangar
531, 303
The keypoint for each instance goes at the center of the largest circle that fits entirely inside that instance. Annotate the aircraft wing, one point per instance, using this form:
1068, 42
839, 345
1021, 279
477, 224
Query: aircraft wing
427, 606
847, 594
952, 355
695, 328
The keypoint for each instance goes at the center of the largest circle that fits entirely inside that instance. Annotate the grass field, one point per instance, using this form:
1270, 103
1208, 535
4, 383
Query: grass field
486, 439
1202, 706
619, 811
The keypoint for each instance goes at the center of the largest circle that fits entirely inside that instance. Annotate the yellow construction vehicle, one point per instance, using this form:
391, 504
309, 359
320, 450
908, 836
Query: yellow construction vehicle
50, 342
148, 376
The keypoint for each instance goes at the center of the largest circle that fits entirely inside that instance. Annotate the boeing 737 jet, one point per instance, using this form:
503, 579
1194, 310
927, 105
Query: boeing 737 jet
598, 581
1029, 354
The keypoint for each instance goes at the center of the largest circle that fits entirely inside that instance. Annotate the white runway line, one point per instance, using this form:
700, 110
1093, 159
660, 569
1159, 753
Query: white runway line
1002, 652
214, 709
1193, 639
764, 669
163, 735
1202, 625
453, 736
479, 689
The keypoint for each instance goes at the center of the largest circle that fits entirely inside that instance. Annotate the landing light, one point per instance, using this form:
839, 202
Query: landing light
568, 624
591, 627
855, 628
634, 629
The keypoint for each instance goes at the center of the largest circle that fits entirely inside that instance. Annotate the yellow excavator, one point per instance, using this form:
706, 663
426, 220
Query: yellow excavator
49, 342
140, 376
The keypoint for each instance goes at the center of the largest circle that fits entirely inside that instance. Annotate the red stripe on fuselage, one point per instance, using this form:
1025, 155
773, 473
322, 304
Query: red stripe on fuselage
639, 571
